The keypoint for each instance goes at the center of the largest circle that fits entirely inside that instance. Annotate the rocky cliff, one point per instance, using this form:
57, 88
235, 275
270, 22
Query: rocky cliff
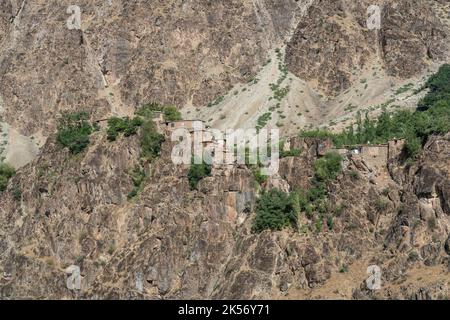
171, 242
217, 61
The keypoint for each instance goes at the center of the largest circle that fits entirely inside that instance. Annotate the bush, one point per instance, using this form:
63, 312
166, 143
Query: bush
138, 176
6, 173
171, 113
17, 193
328, 167
381, 204
259, 177
126, 126
275, 210
74, 131
290, 153
150, 141
197, 172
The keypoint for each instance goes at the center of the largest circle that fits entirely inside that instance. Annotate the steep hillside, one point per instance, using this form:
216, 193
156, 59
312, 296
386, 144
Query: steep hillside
172, 242
86, 171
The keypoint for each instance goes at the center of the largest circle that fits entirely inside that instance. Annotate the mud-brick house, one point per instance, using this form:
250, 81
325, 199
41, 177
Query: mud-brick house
190, 125
375, 156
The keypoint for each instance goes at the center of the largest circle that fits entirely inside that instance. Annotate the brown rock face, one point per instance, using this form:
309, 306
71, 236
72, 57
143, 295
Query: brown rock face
171, 242
129, 53
332, 46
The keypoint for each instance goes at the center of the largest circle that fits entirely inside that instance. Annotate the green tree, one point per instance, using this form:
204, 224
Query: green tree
328, 167
74, 130
275, 210
171, 113
150, 140
126, 126
197, 172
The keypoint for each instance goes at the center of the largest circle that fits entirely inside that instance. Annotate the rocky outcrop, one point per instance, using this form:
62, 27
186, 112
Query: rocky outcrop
333, 46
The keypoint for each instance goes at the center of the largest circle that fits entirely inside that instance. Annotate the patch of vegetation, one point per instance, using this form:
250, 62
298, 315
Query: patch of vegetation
126, 126
216, 102
150, 141
275, 210
16, 192
259, 177
6, 173
328, 167
290, 153
138, 176
262, 120
439, 89
74, 131
197, 172
381, 204
404, 89
354, 175
170, 113
279, 93
350, 108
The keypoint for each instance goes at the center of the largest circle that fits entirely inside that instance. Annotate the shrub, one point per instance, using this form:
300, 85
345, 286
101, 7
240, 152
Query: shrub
74, 131
197, 172
17, 193
137, 176
381, 204
274, 211
330, 222
150, 141
126, 126
6, 173
147, 111
259, 177
171, 113
328, 167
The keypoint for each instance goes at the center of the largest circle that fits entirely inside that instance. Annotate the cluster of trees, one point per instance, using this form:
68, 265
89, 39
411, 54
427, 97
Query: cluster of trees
276, 210
150, 141
126, 126
431, 117
74, 130
170, 113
